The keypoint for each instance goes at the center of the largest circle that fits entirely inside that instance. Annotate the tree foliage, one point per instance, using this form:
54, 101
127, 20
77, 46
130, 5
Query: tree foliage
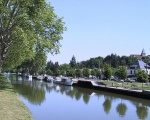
98, 73
78, 73
73, 63
141, 75
121, 72
86, 72
107, 71
27, 27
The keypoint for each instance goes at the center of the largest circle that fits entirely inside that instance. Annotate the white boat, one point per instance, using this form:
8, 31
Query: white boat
66, 81
29, 77
48, 78
57, 80
39, 77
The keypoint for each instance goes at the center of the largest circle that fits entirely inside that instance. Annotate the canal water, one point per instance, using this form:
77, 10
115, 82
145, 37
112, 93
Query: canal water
48, 101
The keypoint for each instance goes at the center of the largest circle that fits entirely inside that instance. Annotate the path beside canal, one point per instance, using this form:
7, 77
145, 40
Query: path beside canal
11, 106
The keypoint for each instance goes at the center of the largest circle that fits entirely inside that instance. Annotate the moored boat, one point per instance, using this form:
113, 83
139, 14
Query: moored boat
57, 80
39, 77
66, 81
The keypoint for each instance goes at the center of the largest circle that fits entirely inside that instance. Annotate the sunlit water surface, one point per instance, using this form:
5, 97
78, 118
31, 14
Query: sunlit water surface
48, 101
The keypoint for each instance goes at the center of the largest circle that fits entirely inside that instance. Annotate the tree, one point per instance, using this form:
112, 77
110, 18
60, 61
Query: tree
78, 73
107, 71
141, 76
53, 67
34, 66
49, 72
64, 68
98, 73
121, 72
26, 28
86, 72
70, 72
93, 72
73, 63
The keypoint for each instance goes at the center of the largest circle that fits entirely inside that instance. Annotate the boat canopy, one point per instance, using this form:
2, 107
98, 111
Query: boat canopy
66, 80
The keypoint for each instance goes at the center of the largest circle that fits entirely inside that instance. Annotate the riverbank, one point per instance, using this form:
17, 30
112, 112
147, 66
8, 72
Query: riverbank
11, 107
144, 94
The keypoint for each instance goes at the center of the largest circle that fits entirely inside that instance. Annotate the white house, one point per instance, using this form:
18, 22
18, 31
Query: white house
138, 65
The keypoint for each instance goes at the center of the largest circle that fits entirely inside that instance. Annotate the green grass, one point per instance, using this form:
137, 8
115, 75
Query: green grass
133, 86
11, 107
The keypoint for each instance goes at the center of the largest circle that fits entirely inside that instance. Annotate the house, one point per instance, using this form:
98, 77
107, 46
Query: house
138, 65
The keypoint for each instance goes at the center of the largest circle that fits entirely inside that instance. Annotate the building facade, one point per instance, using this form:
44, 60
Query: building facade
138, 65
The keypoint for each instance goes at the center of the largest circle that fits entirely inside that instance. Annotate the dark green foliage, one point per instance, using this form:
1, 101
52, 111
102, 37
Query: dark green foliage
53, 67
49, 72
113, 59
73, 63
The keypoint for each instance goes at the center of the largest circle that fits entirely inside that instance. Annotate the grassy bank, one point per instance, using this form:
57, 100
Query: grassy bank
133, 86
11, 107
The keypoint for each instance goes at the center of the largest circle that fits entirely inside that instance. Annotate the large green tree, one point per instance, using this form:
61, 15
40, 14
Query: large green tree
27, 27
86, 72
141, 75
78, 73
107, 71
98, 73
121, 72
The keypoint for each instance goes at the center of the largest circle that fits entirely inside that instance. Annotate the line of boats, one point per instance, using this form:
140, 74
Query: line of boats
57, 80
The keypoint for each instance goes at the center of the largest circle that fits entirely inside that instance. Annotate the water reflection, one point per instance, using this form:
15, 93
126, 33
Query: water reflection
49, 95
142, 112
107, 105
33, 91
121, 109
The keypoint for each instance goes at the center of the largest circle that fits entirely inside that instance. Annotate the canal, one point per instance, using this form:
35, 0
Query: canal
48, 101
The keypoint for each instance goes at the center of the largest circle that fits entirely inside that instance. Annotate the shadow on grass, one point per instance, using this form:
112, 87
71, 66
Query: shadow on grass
5, 84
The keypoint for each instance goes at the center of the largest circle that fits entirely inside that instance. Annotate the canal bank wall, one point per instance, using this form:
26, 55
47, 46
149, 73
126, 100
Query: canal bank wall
94, 85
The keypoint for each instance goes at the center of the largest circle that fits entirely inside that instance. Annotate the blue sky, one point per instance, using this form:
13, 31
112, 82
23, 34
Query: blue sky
101, 27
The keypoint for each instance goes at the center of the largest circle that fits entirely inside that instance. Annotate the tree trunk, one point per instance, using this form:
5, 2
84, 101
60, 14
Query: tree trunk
0, 66
0, 69
1, 63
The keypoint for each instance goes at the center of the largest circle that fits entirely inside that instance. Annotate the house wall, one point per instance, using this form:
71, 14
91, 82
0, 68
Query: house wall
132, 71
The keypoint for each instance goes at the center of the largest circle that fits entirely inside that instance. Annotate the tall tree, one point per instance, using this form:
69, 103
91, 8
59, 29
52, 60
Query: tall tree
98, 73
93, 72
121, 72
107, 71
73, 63
86, 72
27, 27
78, 73
141, 75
